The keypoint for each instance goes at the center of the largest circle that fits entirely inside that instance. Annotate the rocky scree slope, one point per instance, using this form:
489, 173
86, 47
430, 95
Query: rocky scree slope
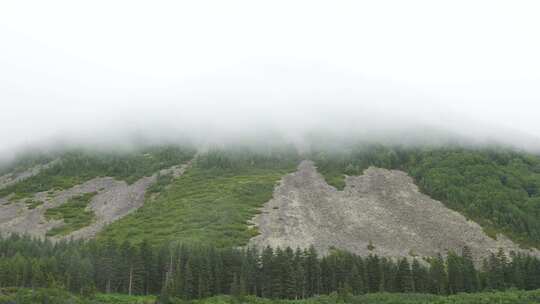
380, 212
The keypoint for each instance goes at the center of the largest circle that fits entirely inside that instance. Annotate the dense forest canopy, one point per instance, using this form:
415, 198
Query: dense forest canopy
198, 271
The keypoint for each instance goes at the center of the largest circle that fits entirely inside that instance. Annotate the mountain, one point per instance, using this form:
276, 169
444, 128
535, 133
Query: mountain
398, 201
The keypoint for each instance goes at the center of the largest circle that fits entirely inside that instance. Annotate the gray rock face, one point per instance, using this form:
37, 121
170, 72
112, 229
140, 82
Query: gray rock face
381, 207
114, 200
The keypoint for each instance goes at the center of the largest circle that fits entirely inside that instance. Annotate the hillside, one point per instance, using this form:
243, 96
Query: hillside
174, 220
162, 193
496, 187
380, 212
79, 192
211, 202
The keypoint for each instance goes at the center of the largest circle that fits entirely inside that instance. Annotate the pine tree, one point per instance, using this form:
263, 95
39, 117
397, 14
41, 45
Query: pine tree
299, 281
267, 272
496, 272
288, 283
131, 269
38, 276
326, 276
86, 270
388, 275
313, 272
404, 280
204, 275
189, 283
374, 273
278, 267
470, 276
437, 275
419, 275
454, 267
356, 281
249, 270
238, 288
218, 273
107, 266
148, 267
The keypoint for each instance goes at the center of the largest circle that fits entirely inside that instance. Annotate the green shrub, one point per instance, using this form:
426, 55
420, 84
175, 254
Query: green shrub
74, 213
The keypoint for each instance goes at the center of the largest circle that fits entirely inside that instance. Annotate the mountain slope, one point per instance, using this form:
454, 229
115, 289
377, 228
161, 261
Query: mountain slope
380, 212
82, 191
109, 200
499, 188
211, 203
211, 199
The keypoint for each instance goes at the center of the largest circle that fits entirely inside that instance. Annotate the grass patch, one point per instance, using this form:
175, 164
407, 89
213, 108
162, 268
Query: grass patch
334, 178
74, 213
43, 295
123, 299
507, 297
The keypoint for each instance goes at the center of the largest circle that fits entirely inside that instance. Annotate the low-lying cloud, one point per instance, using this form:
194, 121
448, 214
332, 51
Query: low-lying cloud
98, 73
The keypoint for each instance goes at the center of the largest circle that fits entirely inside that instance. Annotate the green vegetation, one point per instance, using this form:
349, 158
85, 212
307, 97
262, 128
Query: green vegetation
57, 296
33, 203
60, 296
162, 181
102, 298
77, 166
74, 213
40, 295
509, 297
182, 272
211, 202
498, 188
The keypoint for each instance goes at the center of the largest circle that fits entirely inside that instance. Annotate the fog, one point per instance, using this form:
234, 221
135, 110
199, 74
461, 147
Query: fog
100, 72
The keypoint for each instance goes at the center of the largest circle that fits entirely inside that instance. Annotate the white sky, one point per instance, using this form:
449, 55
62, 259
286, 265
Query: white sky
82, 67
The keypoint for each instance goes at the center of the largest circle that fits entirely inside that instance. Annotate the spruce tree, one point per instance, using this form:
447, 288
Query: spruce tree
404, 280
374, 273
455, 271
437, 275
267, 272
148, 274
189, 282
419, 275
313, 272
356, 281
470, 276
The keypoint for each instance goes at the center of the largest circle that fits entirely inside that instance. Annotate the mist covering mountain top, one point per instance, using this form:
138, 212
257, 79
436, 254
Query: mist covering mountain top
215, 73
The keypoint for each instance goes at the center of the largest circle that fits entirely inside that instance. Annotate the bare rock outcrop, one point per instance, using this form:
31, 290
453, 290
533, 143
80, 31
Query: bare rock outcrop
382, 207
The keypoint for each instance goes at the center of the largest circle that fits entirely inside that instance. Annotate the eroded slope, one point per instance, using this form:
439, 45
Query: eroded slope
114, 199
381, 207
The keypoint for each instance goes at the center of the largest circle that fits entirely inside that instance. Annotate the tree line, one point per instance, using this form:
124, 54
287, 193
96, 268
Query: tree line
200, 271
